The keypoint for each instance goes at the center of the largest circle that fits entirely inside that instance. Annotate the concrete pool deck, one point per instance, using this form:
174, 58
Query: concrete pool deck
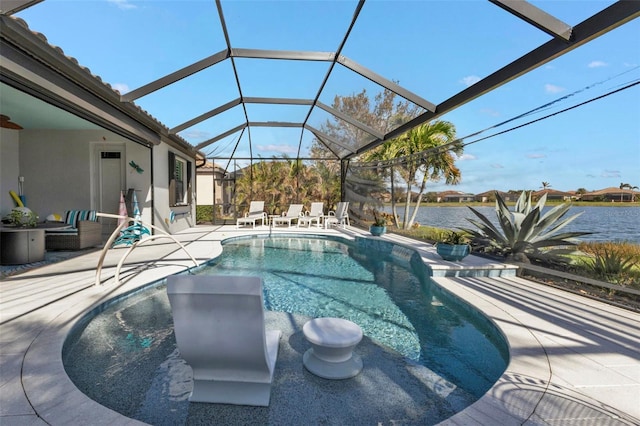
573, 360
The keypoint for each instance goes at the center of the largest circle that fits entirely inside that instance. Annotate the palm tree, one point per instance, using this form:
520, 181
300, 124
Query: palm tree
546, 185
628, 186
428, 155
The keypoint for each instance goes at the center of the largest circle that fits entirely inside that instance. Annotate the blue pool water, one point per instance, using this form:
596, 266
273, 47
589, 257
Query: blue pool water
320, 277
125, 356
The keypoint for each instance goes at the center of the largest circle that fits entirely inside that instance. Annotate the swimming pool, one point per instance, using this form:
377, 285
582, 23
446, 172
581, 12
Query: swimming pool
458, 352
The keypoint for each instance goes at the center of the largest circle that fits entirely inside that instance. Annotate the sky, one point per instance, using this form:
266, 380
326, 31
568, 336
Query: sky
431, 48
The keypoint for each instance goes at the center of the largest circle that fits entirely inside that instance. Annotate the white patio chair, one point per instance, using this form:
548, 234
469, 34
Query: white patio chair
294, 213
220, 331
255, 213
338, 217
314, 215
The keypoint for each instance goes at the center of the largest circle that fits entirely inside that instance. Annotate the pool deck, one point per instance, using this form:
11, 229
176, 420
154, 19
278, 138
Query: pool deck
573, 360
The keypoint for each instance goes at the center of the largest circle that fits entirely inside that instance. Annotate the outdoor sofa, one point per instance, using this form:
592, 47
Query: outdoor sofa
84, 231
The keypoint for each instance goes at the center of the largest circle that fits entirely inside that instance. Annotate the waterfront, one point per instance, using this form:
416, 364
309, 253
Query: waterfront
606, 223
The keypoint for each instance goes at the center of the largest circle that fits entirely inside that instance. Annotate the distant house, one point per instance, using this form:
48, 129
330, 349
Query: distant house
553, 194
613, 194
454, 197
489, 196
210, 185
213, 188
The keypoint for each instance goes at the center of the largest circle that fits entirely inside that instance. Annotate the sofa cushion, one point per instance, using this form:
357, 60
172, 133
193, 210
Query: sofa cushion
73, 216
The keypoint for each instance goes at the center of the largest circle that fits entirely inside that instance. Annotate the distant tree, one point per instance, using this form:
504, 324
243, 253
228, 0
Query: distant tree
629, 187
580, 192
279, 183
546, 185
383, 114
383, 153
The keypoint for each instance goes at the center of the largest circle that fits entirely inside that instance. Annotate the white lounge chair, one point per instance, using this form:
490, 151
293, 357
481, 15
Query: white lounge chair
255, 213
294, 213
220, 331
314, 215
339, 217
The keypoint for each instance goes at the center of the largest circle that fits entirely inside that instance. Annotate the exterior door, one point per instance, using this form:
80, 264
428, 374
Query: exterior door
109, 180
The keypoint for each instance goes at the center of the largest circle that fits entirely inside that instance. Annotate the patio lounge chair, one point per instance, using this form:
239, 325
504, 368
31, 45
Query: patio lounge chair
220, 332
338, 217
294, 213
314, 215
255, 213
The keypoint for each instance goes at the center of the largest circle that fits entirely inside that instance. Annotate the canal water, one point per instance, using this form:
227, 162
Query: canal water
606, 223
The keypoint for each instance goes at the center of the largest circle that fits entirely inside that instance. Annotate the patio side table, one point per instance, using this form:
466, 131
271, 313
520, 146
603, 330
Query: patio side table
21, 245
332, 342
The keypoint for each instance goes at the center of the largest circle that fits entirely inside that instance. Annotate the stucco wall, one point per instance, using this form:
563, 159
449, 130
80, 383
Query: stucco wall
9, 168
205, 189
184, 215
58, 165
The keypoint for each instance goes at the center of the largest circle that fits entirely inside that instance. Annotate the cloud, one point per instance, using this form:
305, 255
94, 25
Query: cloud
551, 88
534, 156
497, 166
611, 174
465, 157
284, 149
121, 87
470, 80
123, 4
597, 64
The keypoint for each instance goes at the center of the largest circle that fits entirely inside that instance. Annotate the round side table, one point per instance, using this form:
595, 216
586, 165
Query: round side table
332, 342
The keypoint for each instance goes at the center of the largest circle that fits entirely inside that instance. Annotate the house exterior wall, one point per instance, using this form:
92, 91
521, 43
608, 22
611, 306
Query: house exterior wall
9, 168
205, 188
184, 215
204, 184
58, 168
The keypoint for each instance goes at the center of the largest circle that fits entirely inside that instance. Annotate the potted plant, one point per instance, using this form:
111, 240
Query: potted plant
453, 246
379, 225
22, 217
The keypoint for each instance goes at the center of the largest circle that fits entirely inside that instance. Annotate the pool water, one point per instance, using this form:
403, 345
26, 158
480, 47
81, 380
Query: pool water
124, 354
320, 277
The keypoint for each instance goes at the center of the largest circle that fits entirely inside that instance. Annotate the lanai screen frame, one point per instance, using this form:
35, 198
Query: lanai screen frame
564, 38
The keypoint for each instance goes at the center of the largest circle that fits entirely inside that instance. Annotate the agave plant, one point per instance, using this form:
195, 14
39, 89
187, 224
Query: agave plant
525, 231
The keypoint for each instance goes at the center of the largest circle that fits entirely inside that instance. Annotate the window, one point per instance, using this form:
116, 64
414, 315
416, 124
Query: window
179, 180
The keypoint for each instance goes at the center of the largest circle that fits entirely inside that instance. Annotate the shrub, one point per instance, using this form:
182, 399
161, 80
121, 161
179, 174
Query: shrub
617, 262
204, 214
526, 232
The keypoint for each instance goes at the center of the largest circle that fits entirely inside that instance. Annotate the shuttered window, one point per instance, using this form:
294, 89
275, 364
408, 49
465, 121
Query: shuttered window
179, 180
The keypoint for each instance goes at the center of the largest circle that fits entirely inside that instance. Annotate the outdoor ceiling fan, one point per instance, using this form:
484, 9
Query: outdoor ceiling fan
5, 121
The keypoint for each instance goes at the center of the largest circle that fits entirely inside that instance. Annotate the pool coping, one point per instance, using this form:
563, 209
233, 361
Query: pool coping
51, 396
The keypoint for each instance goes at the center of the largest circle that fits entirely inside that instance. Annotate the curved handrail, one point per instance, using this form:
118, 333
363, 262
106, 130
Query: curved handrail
114, 236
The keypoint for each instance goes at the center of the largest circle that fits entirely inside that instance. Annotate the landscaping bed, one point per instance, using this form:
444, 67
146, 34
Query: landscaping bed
605, 292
